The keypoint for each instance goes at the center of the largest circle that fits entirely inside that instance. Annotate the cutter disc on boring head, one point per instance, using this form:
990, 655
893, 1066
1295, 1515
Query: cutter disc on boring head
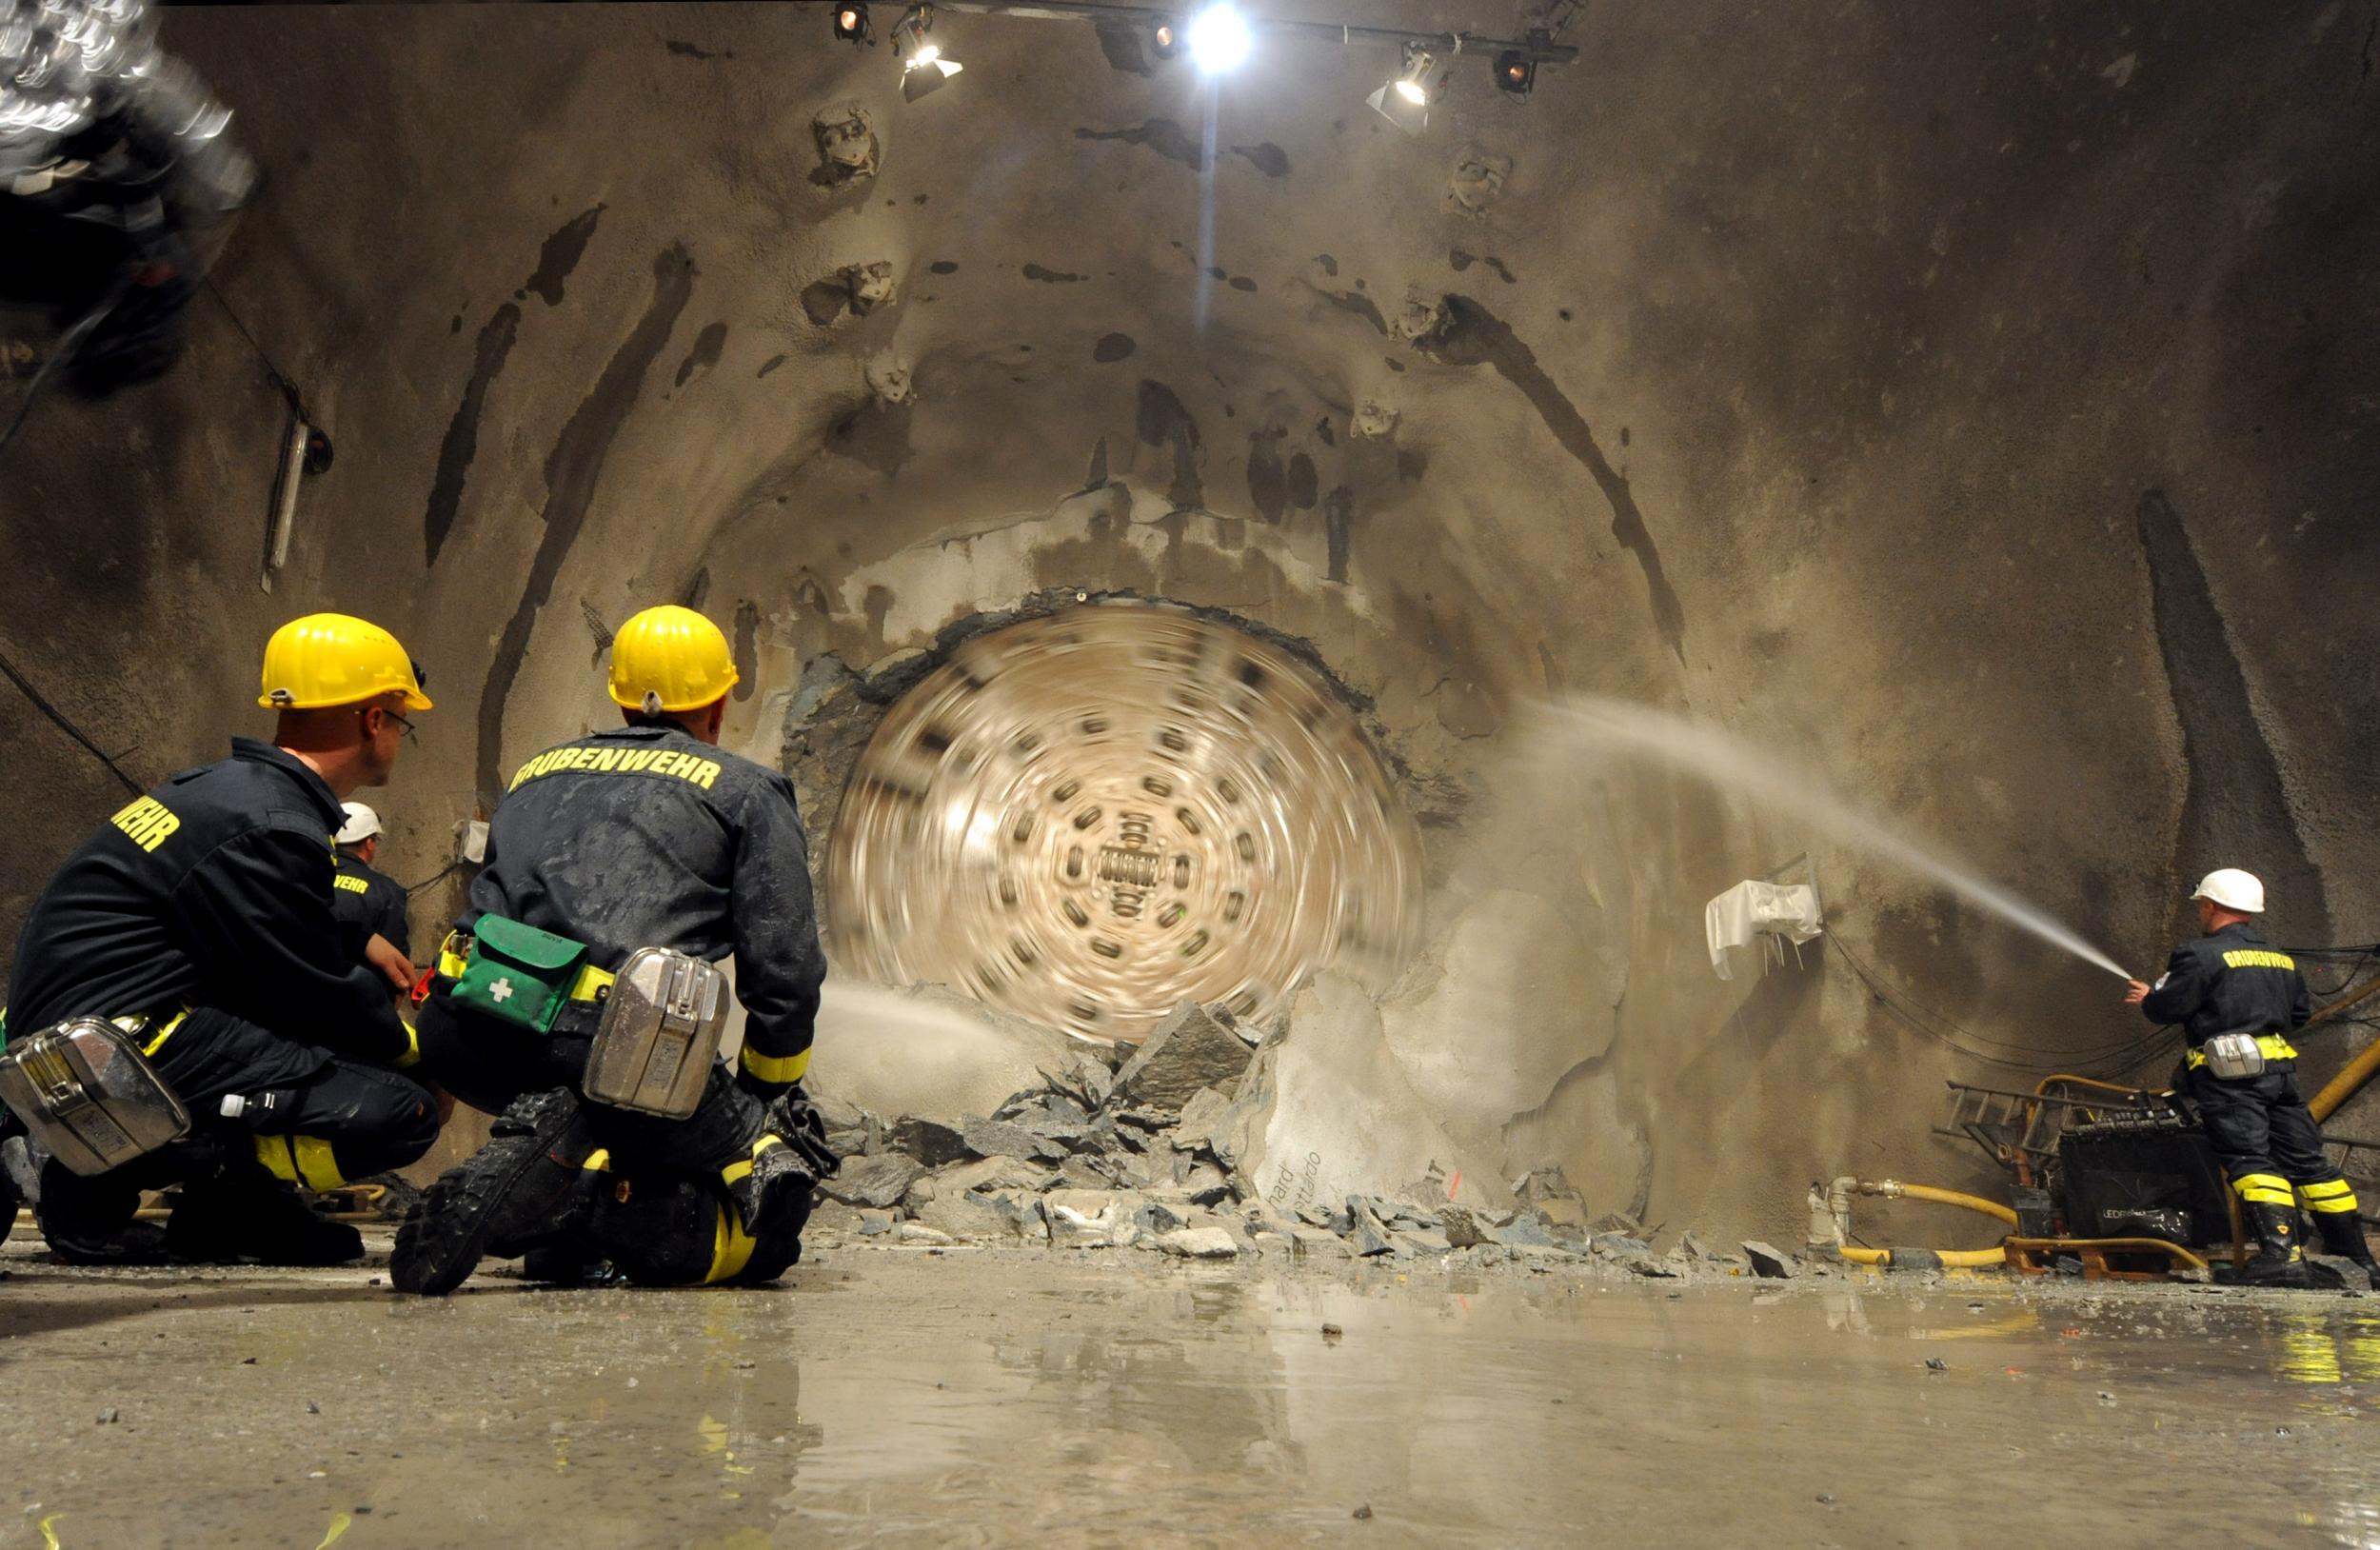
1092, 817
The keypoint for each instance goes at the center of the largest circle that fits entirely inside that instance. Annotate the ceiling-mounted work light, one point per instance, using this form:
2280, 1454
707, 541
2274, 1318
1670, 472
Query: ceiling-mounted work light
1516, 72
1164, 38
1219, 39
923, 68
1405, 101
851, 23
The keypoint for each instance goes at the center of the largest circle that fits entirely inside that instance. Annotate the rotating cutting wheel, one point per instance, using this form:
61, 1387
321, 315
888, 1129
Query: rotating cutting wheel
1091, 817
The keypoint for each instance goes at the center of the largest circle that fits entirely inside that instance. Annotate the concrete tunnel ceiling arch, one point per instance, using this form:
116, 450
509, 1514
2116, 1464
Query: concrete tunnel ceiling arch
1090, 817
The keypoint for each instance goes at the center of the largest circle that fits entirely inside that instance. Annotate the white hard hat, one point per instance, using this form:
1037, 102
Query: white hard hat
363, 824
2233, 889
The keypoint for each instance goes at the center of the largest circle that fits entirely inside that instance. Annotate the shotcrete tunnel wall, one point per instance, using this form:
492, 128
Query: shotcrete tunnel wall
1996, 440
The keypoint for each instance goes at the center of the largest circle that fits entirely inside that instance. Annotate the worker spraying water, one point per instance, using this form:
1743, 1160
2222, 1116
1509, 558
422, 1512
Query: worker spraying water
2237, 1000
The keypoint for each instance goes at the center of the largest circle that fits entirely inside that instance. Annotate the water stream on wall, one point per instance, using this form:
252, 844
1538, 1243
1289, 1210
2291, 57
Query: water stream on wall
1591, 724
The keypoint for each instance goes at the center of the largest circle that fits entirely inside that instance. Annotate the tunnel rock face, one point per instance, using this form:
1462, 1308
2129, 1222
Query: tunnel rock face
1092, 817
1988, 440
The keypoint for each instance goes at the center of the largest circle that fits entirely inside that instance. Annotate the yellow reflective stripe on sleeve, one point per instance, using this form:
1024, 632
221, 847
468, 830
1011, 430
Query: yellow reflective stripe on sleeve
731, 1246
315, 1166
412, 1055
277, 1155
775, 1067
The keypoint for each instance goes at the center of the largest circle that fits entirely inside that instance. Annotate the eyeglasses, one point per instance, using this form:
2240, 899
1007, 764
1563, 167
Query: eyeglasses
410, 736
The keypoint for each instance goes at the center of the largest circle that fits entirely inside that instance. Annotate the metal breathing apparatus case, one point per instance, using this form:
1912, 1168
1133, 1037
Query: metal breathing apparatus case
659, 1032
2234, 1057
88, 1094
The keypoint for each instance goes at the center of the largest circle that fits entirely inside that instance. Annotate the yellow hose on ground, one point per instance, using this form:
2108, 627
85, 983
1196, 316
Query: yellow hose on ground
1949, 1259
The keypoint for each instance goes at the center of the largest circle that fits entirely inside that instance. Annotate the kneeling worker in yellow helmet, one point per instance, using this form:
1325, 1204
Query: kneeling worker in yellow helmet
192, 934
579, 1001
2237, 999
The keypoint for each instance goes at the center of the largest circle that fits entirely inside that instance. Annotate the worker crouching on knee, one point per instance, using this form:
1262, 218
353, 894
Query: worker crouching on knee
195, 927
2237, 999
579, 1001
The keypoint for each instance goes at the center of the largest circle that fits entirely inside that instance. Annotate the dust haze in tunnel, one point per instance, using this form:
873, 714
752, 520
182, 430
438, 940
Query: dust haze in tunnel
1697, 380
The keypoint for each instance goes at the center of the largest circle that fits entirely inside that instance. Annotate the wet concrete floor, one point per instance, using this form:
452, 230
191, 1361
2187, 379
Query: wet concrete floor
900, 1396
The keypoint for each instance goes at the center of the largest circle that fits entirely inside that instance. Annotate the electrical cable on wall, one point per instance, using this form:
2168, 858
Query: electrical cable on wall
59, 718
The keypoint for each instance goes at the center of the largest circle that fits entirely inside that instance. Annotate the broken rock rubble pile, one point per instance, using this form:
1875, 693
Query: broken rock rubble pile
1137, 1153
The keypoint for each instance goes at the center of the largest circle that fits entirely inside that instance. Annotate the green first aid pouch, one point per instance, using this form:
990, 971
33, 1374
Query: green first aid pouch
518, 974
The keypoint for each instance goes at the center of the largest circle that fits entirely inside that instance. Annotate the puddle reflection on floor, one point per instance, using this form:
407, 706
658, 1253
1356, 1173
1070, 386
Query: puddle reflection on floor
980, 1398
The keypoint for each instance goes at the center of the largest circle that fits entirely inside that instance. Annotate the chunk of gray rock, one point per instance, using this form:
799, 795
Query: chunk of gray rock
1204, 1111
1199, 1243
1001, 1137
1462, 1229
968, 1216
1613, 1246
1769, 1263
1072, 1228
874, 1181
1159, 1218
874, 1222
1190, 1049
930, 1142
992, 1173
1206, 1185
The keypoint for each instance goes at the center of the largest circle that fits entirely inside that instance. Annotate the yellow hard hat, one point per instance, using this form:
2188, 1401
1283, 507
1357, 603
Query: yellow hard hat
669, 659
335, 659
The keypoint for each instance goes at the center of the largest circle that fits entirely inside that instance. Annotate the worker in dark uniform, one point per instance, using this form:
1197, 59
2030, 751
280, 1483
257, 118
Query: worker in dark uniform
368, 902
2237, 1000
645, 836
197, 918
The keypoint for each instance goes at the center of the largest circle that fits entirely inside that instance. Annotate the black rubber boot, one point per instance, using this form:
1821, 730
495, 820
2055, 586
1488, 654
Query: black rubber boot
89, 1221
2280, 1258
774, 1198
522, 1189
569, 1264
659, 1232
245, 1216
2343, 1235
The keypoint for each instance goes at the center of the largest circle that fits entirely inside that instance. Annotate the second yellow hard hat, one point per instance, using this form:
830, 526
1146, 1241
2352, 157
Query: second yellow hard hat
336, 658
669, 659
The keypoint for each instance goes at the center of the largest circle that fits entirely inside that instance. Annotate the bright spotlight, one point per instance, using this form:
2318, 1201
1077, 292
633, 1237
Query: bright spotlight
1219, 39
851, 23
922, 66
1405, 101
1516, 72
1164, 39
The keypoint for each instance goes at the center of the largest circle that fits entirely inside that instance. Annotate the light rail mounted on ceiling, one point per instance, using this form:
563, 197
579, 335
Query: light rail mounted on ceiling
1218, 37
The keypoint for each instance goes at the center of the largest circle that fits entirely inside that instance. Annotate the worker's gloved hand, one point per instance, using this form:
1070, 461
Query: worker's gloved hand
382, 954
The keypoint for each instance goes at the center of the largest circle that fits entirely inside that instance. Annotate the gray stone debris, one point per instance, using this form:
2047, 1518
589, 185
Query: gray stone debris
1768, 1262
996, 1138
1092, 1160
930, 1142
1189, 1050
1199, 1243
874, 1181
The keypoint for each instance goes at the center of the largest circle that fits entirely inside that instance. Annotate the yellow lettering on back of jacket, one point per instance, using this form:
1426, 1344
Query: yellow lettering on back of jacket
147, 822
686, 766
351, 885
2253, 958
